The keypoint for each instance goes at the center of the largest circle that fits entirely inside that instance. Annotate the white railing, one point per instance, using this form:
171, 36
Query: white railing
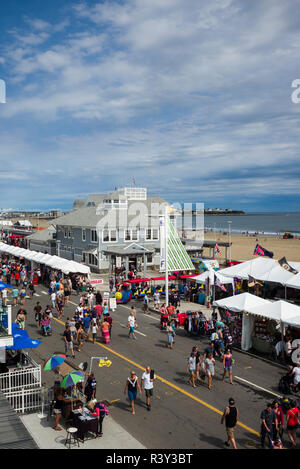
21, 378
25, 400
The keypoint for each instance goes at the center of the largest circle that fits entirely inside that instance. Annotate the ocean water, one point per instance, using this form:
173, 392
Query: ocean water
266, 223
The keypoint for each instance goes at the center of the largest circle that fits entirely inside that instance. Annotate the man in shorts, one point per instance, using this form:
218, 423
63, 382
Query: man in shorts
230, 416
147, 380
68, 338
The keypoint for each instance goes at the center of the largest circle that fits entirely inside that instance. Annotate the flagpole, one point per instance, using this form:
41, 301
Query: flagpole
166, 257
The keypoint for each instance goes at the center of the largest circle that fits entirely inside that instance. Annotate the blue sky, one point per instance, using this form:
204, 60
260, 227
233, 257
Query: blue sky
191, 98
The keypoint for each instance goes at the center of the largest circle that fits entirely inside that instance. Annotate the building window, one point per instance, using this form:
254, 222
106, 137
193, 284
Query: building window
65, 232
149, 258
69, 233
109, 236
131, 235
83, 234
94, 237
152, 234
93, 259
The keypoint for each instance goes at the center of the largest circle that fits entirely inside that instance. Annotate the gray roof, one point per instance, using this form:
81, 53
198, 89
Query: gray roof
42, 235
87, 217
13, 433
129, 250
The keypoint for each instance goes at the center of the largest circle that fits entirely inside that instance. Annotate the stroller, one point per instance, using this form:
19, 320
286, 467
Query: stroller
163, 321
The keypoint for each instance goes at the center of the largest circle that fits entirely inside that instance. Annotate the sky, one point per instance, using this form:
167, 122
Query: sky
190, 98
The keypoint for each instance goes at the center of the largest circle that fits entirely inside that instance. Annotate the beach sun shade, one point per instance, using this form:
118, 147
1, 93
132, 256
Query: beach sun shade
54, 361
5, 285
22, 340
72, 379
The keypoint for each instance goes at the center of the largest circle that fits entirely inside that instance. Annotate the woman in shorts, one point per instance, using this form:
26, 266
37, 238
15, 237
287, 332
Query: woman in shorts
210, 369
227, 365
292, 418
132, 386
57, 410
191, 369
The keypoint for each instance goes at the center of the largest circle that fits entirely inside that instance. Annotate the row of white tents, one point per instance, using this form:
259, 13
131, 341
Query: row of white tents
283, 312
266, 270
262, 269
54, 262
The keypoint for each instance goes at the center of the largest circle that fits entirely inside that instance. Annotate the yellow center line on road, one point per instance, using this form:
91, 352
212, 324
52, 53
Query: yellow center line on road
168, 383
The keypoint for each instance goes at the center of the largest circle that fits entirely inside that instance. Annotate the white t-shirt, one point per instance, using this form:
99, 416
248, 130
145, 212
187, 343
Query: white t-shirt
296, 371
4, 293
53, 296
131, 320
146, 378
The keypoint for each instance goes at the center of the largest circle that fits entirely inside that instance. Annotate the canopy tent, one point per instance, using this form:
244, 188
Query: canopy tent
278, 311
211, 275
54, 262
245, 302
293, 281
263, 269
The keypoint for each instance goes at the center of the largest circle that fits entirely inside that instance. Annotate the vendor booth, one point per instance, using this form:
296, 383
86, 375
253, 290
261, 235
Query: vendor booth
259, 324
233, 311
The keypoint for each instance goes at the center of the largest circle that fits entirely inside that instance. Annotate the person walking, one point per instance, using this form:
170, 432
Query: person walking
131, 325
79, 336
68, 338
171, 335
146, 304
147, 380
132, 386
292, 419
105, 331
38, 314
210, 369
268, 418
230, 417
279, 416
227, 365
94, 328
191, 368
15, 295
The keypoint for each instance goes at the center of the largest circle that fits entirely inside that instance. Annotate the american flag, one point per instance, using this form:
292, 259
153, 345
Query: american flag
217, 249
133, 181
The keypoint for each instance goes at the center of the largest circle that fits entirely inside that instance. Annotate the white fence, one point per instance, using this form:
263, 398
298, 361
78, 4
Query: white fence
23, 387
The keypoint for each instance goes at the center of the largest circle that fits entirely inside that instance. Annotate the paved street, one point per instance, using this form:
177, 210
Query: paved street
181, 416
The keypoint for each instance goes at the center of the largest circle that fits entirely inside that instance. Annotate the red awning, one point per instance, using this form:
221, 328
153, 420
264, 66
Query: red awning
171, 277
139, 280
186, 276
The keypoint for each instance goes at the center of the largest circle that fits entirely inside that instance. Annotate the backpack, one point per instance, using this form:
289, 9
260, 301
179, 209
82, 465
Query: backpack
103, 409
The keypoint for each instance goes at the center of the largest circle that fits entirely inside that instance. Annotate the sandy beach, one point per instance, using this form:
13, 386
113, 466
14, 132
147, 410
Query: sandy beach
243, 246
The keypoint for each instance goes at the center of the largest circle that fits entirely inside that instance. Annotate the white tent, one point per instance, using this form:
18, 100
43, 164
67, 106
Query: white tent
54, 262
210, 273
282, 311
293, 281
261, 268
245, 302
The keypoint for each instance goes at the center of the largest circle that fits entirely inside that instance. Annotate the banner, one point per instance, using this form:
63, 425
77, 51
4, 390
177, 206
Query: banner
260, 251
252, 282
286, 266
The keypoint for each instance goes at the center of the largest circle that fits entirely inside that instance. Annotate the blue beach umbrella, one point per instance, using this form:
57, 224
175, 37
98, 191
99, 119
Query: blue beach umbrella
22, 340
5, 285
